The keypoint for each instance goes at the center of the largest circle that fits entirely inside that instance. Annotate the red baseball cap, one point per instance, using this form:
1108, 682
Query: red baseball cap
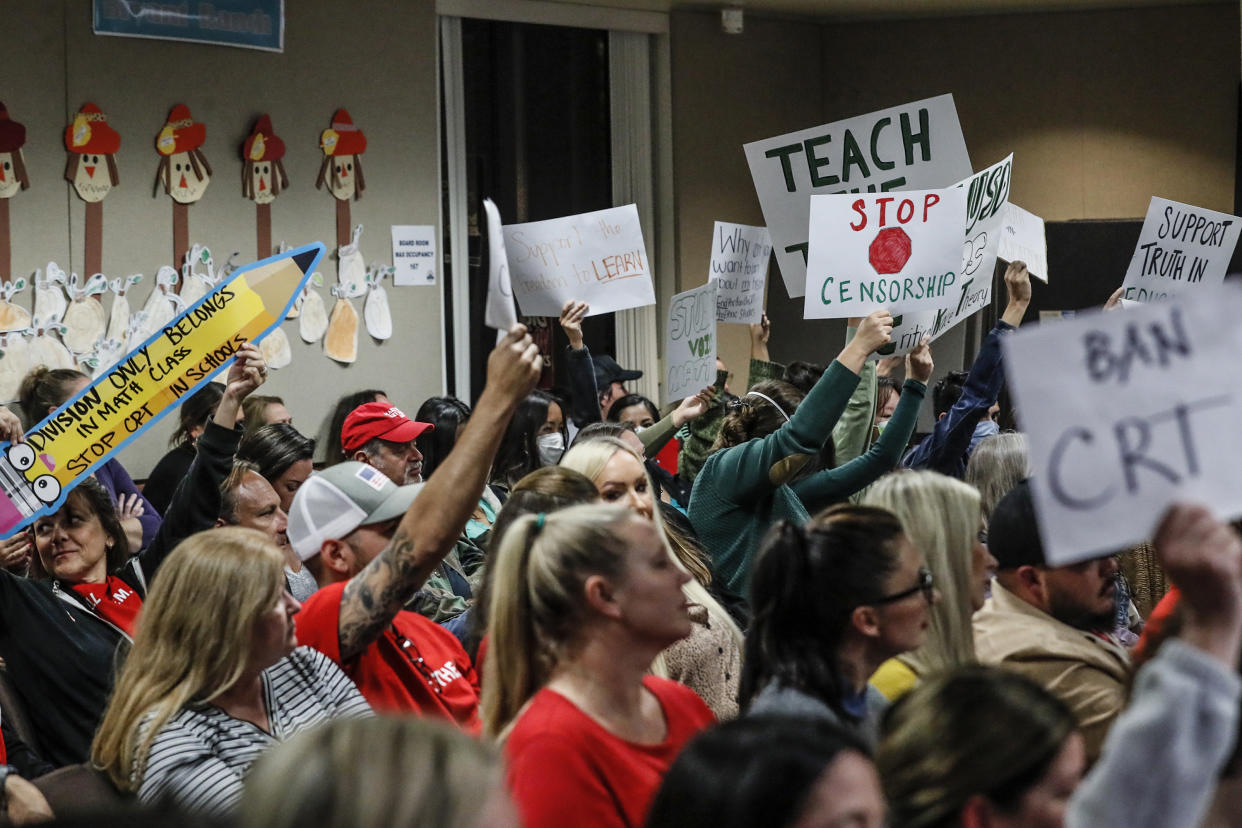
379, 419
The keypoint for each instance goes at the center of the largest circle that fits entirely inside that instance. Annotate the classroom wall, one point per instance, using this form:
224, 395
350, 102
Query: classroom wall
1102, 110
728, 91
377, 58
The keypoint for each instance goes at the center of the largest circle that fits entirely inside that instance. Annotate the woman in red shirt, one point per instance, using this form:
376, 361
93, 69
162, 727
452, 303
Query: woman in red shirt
583, 601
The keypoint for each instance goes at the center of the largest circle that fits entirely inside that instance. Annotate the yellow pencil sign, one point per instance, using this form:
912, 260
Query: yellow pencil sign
37, 475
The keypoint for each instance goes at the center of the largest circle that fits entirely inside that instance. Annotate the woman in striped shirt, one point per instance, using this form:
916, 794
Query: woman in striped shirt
215, 676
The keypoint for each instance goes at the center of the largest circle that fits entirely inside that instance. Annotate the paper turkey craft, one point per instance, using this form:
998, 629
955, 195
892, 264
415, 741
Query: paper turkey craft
14, 363
198, 274
118, 317
263, 178
183, 171
341, 340
13, 317
163, 303
375, 308
312, 315
92, 146
49, 292
85, 322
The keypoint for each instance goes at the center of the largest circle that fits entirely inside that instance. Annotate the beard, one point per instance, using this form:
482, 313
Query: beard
1081, 617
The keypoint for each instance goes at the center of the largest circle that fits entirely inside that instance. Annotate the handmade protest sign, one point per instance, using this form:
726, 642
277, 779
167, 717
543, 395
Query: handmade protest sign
917, 145
1127, 412
901, 251
739, 267
1022, 240
1180, 248
37, 475
598, 258
500, 312
690, 342
987, 194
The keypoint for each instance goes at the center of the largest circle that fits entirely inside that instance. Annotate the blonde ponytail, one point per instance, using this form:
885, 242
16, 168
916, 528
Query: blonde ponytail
537, 603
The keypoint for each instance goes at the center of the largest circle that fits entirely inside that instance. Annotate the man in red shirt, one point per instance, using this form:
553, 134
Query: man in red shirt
371, 544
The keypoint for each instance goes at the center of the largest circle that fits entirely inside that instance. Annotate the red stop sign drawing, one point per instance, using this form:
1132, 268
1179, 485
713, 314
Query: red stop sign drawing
890, 251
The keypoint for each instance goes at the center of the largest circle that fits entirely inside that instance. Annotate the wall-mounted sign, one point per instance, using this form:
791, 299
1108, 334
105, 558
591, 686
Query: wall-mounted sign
248, 24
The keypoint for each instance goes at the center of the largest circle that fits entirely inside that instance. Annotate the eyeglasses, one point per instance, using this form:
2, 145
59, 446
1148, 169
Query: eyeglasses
416, 660
926, 585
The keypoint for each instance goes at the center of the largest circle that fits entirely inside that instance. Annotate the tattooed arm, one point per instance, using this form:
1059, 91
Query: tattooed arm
437, 516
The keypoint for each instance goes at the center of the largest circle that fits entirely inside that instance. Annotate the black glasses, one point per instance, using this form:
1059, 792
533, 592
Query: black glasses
926, 585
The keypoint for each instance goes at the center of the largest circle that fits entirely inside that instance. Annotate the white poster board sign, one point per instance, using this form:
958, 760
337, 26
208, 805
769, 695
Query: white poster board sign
901, 251
987, 195
916, 146
690, 342
1126, 412
598, 258
1180, 249
500, 312
739, 267
413, 255
1022, 240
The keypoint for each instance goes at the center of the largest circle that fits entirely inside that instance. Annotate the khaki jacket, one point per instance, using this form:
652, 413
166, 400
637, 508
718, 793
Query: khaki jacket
1086, 672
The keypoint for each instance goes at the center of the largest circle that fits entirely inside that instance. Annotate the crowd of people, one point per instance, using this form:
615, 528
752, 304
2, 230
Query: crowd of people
537, 608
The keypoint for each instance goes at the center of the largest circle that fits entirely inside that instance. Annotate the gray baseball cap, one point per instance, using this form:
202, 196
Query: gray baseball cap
336, 501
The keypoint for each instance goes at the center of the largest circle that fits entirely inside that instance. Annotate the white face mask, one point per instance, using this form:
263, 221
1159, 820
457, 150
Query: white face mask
551, 447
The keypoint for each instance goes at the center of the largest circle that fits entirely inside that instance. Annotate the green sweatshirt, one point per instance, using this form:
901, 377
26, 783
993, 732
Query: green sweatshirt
852, 434
735, 500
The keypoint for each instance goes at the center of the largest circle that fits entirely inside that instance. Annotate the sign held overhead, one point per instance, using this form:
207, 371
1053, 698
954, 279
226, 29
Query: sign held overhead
598, 258
1180, 249
1127, 412
915, 146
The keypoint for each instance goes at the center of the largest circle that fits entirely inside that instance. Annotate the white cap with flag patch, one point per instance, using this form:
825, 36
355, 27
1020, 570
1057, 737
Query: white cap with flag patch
336, 501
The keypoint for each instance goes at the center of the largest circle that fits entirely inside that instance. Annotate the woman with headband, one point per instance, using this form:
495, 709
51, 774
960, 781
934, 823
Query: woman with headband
764, 467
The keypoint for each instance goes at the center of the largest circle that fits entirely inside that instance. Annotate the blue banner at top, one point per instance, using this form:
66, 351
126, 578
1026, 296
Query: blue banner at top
249, 24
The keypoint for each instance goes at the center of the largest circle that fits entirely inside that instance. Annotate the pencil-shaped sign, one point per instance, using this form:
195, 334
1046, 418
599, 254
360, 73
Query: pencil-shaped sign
37, 475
